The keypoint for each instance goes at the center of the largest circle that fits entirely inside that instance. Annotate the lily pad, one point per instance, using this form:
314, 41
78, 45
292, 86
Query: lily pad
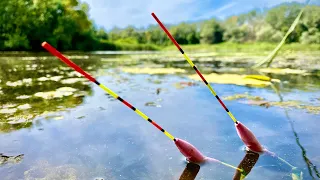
8, 105
153, 70
59, 93
72, 80
232, 79
19, 82
24, 106
54, 78
8, 111
23, 97
14, 84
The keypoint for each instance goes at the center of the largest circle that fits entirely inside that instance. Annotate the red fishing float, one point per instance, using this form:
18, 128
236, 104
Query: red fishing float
244, 133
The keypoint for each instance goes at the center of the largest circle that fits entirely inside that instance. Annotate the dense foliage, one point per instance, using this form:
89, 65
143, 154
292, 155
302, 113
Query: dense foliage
65, 24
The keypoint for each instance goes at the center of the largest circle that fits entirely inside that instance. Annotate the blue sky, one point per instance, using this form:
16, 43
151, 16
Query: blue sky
121, 13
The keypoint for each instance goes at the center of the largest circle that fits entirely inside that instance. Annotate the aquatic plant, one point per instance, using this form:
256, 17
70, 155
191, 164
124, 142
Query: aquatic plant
268, 60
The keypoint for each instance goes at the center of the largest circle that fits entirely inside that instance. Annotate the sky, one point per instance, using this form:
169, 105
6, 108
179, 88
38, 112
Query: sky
121, 13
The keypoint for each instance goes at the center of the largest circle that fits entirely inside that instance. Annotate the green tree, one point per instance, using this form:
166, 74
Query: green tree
185, 33
310, 37
268, 34
211, 32
281, 18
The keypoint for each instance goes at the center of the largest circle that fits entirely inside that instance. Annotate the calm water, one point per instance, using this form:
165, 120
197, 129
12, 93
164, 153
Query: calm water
68, 128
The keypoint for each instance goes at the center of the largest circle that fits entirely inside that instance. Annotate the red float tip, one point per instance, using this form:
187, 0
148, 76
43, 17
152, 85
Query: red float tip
189, 151
248, 138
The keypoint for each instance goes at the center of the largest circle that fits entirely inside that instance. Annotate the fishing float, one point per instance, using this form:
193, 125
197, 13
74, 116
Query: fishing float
191, 153
244, 133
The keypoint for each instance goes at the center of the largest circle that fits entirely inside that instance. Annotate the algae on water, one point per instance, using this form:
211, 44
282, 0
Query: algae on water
260, 101
235, 79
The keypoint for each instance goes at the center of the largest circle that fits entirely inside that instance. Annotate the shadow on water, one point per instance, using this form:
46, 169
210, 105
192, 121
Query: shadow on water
308, 162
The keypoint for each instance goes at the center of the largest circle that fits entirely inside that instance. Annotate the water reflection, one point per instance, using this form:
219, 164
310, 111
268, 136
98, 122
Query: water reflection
190, 171
311, 167
32, 88
247, 163
99, 138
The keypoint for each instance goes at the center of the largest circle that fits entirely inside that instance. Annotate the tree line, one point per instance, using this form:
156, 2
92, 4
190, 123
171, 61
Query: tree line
24, 24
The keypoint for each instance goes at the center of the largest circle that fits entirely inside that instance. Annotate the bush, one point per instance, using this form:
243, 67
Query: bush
310, 37
268, 34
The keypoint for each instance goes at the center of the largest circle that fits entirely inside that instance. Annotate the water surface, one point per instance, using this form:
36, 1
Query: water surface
68, 128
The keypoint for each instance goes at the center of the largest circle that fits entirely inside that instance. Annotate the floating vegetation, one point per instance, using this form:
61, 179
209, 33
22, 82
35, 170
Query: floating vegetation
20, 82
182, 85
17, 119
80, 94
74, 73
259, 101
9, 105
24, 106
5, 159
243, 96
8, 111
153, 70
152, 104
72, 80
59, 93
235, 79
23, 97
54, 78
